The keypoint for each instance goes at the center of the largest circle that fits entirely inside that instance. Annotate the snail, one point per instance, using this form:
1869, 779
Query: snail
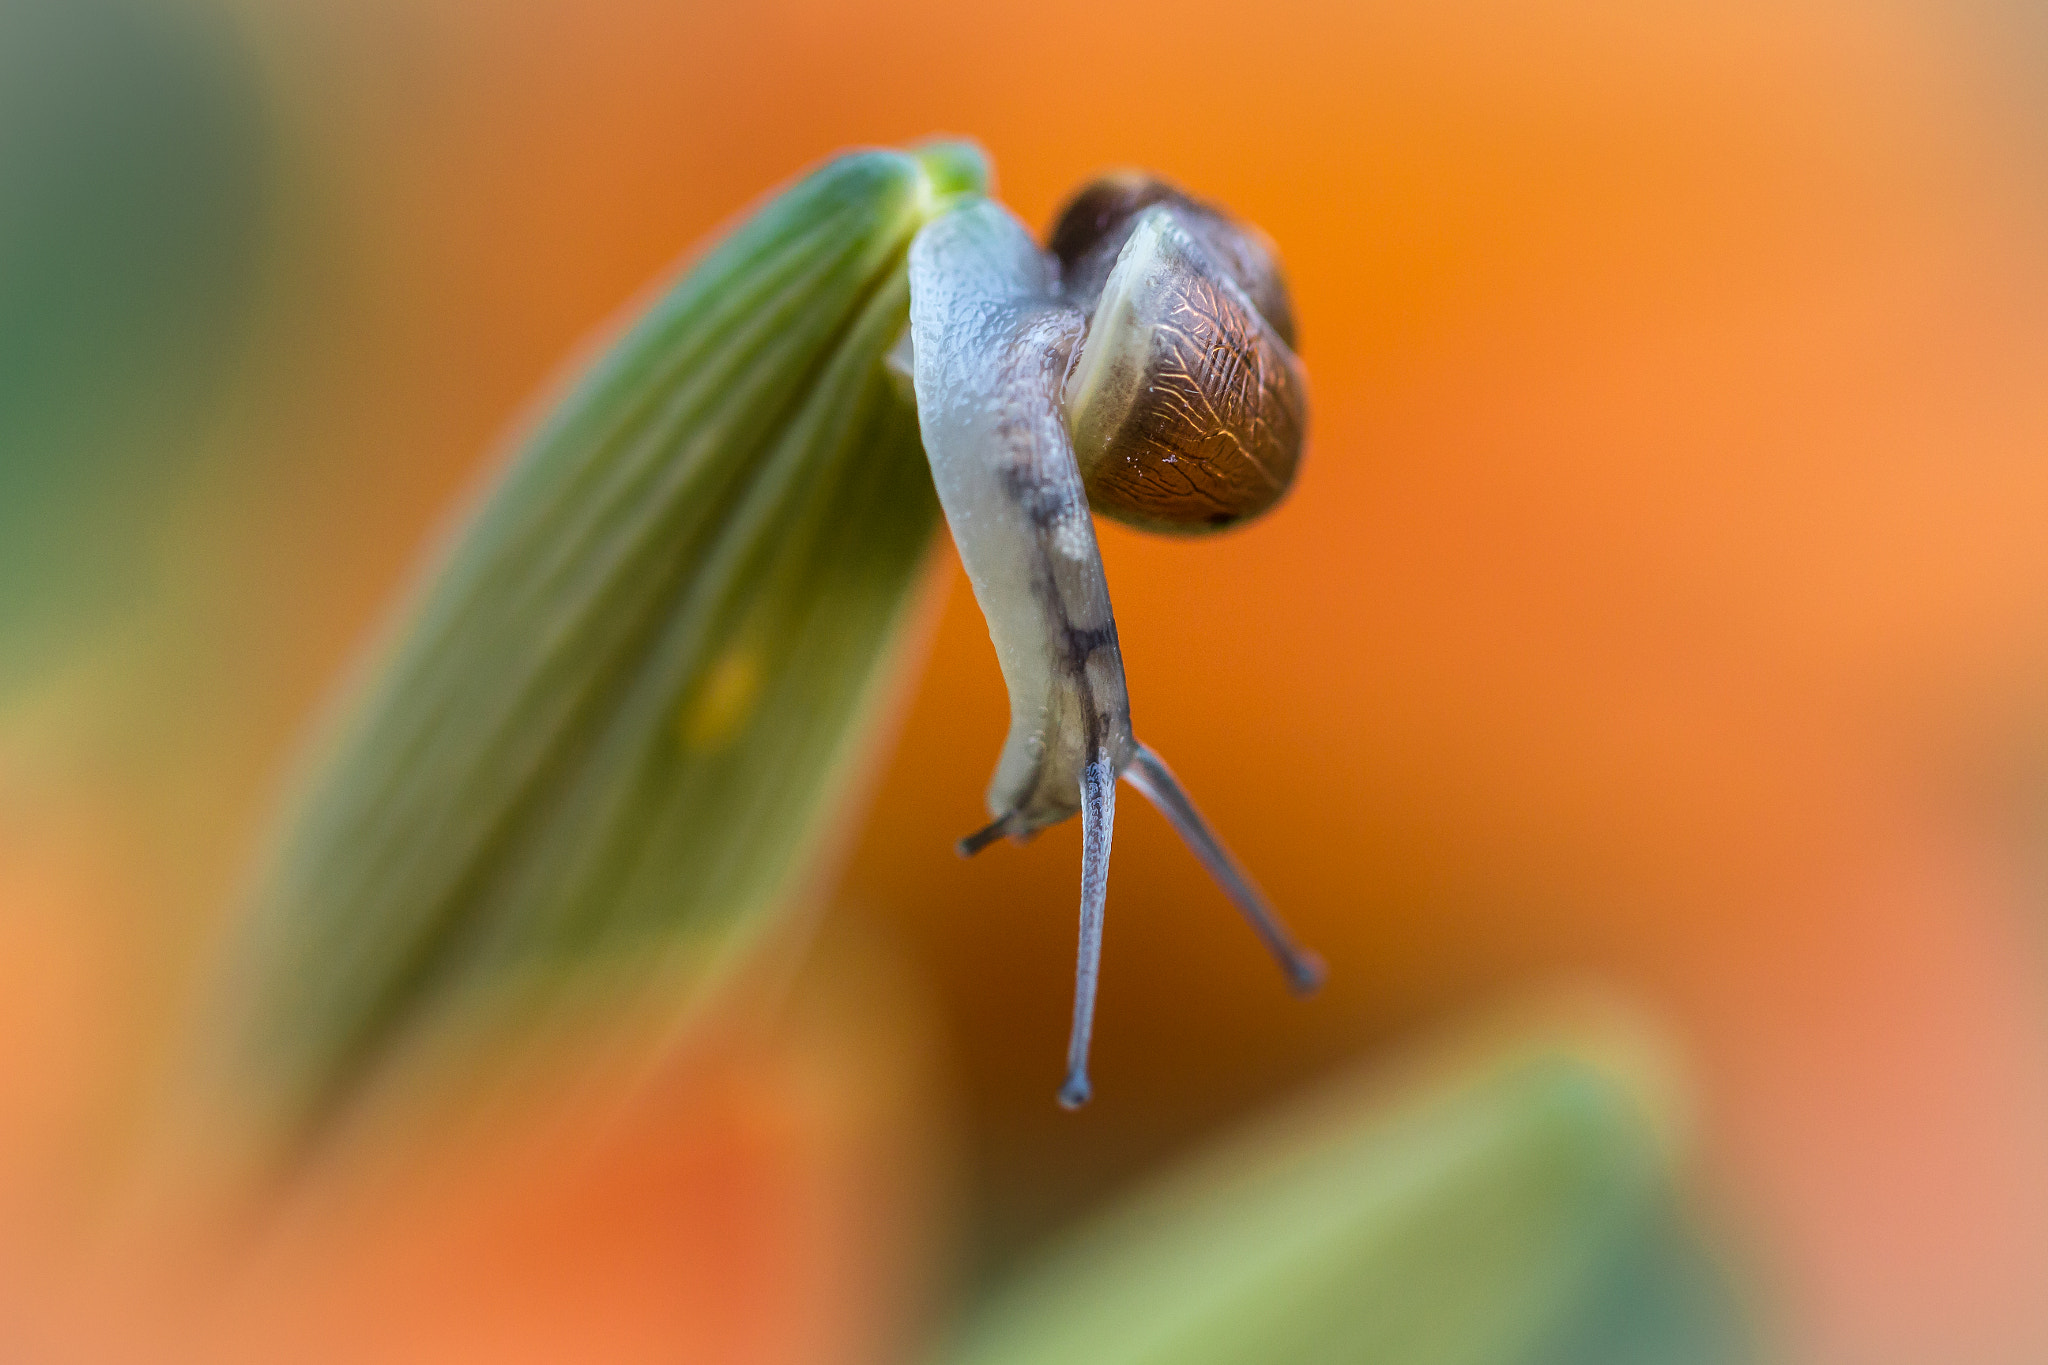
1144, 367
606, 734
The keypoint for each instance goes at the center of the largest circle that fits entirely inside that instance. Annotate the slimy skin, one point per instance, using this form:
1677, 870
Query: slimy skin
995, 347
993, 342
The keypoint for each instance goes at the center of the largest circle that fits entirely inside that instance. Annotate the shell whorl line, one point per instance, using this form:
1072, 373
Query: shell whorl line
994, 342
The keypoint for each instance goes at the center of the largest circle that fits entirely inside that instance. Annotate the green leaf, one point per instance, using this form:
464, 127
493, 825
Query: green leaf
615, 722
1520, 1213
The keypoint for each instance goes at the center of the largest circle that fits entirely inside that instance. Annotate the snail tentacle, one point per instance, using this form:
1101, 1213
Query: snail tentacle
1157, 784
1002, 827
1098, 824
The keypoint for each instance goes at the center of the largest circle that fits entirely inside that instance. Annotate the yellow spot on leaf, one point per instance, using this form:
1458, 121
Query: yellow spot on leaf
722, 701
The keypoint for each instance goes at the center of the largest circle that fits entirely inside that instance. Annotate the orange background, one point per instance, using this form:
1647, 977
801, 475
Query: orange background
1664, 599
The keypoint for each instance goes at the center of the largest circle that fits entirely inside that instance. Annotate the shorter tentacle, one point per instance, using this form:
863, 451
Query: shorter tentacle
999, 828
1098, 824
1156, 782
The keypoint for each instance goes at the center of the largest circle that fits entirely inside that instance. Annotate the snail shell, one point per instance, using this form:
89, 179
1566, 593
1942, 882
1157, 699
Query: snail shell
1186, 402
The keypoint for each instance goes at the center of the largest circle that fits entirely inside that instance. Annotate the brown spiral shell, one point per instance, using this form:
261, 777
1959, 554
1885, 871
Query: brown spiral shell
1186, 403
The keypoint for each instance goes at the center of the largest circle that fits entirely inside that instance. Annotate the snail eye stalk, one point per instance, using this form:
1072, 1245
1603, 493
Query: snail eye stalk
1098, 825
1157, 784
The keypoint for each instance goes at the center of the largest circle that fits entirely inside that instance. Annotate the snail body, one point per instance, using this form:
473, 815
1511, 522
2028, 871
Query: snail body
992, 342
1132, 368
